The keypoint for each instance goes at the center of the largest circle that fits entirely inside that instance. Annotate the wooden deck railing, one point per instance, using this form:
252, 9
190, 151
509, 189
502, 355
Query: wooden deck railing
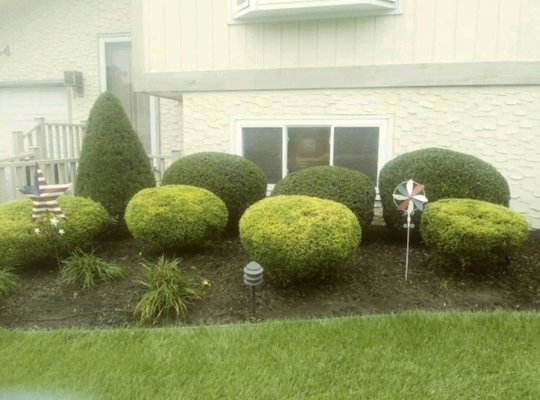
56, 148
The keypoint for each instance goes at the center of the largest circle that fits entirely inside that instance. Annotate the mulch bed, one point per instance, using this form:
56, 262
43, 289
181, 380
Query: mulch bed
372, 283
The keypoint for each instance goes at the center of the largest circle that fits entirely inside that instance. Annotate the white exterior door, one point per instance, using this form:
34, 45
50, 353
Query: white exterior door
19, 106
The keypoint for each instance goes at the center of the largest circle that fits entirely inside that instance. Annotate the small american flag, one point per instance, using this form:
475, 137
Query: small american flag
44, 197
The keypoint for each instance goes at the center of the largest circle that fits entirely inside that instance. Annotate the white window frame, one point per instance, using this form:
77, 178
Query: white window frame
154, 103
385, 123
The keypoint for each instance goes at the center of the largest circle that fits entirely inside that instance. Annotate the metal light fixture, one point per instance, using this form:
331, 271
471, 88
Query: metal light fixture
253, 277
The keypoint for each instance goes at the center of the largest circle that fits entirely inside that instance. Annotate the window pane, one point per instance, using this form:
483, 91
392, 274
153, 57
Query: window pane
308, 147
358, 149
119, 82
263, 146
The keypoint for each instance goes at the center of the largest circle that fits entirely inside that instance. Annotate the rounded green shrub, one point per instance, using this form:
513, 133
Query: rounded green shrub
472, 231
343, 185
234, 179
20, 244
445, 174
299, 237
85, 221
113, 165
175, 216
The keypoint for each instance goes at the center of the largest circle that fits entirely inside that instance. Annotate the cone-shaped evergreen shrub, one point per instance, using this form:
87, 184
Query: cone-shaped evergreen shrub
113, 164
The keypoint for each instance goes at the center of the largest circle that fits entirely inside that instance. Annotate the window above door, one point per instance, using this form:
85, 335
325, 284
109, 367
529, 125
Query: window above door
281, 145
116, 76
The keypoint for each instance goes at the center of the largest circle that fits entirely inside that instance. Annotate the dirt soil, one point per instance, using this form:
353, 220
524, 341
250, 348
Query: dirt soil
372, 283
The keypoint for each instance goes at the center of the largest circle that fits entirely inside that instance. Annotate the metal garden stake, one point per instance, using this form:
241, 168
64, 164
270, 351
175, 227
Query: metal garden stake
253, 277
409, 196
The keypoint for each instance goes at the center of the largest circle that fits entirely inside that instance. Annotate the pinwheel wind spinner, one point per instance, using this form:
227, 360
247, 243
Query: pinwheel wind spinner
408, 197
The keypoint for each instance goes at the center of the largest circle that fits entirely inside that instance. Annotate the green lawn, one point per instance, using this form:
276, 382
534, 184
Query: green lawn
407, 356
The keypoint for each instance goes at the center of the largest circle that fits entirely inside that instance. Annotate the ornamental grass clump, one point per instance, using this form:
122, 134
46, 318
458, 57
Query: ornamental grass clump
343, 185
299, 237
24, 240
175, 216
169, 292
9, 282
445, 174
84, 270
234, 179
472, 232
113, 165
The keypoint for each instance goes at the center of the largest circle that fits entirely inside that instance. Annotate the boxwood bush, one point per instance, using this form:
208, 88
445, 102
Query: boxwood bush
234, 179
446, 174
20, 245
343, 185
472, 231
175, 216
299, 237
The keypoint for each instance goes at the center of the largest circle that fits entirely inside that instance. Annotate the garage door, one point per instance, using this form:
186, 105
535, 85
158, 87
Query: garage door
20, 105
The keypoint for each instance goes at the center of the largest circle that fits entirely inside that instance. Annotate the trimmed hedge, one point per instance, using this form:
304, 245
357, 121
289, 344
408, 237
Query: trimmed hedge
472, 231
20, 246
342, 185
446, 174
299, 237
175, 216
113, 164
234, 179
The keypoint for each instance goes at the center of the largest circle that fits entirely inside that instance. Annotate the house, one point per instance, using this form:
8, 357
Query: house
295, 83
56, 57
286, 83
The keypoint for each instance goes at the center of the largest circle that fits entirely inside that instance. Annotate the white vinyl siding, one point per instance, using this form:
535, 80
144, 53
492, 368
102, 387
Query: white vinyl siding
194, 35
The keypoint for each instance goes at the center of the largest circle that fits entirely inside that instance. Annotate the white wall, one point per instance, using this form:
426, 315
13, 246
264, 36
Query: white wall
501, 125
49, 37
194, 35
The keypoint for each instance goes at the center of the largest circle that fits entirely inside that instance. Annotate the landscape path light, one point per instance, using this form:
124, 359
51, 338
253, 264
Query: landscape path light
253, 277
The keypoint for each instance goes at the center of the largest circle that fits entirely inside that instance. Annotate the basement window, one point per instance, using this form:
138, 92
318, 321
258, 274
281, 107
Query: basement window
284, 145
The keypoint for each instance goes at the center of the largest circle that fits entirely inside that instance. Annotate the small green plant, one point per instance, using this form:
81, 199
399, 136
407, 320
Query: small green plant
86, 269
9, 282
169, 291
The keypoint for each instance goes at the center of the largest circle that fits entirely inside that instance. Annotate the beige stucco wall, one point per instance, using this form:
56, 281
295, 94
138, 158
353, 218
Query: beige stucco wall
171, 122
49, 37
500, 125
